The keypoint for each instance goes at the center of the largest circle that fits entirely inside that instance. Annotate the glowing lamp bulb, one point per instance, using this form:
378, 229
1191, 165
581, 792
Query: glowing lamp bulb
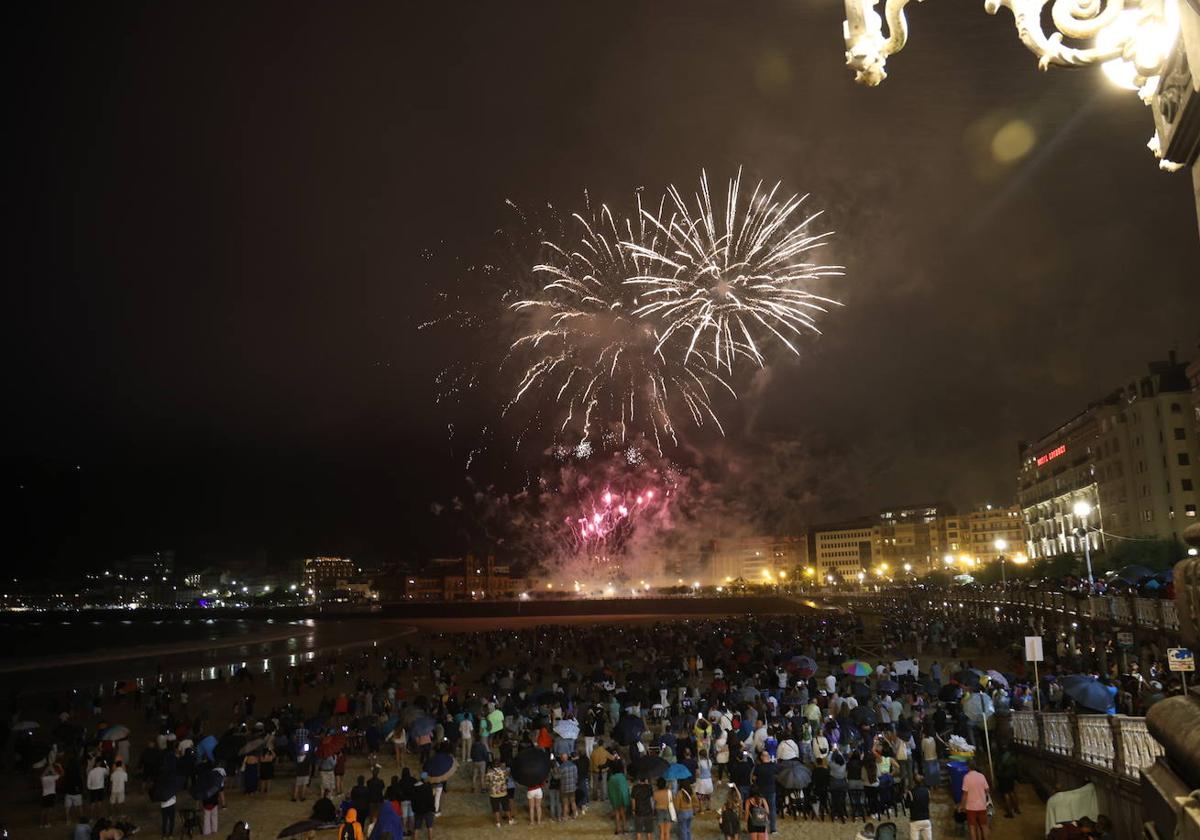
624, 511
639, 500
649, 494
608, 498
596, 517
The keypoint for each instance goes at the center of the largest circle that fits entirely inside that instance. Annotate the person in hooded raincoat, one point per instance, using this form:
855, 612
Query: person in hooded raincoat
351, 829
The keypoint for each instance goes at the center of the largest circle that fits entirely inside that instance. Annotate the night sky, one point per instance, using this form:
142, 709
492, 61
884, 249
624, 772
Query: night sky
220, 214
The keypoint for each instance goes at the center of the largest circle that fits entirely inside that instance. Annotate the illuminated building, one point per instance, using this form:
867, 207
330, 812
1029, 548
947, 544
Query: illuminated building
844, 549
1131, 456
451, 579
988, 523
321, 574
914, 535
756, 559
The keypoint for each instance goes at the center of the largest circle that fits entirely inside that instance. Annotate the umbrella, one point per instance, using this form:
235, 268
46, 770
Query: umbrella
1167, 576
208, 784
889, 686
804, 665
305, 826
568, 729
256, 744
440, 766
861, 691
628, 730
421, 727
949, 693
978, 707
410, 714
857, 668
114, 733
1133, 573
205, 748
650, 767
30, 725
997, 677
1088, 692
677, 771
331, 746
389, 822
793, 775
969, 678
748, 694
531, 766
863, 716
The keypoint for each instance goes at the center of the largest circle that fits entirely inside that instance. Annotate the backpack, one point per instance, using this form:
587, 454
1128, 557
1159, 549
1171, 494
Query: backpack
346, 832
758, 815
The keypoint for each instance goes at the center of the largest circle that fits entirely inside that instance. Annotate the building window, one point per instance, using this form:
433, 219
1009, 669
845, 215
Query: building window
1183, 459
1175, 409
1180, 434
1189, 510
1185, 484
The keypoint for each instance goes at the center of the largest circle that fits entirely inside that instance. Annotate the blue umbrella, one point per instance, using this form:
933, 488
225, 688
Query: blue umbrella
677, 771
1133, 573
1090, 693
422, 726
389, 823
978, 707
568, 729
439, 764
205, 748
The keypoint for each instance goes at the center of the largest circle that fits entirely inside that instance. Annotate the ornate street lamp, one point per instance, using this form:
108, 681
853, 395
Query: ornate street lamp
1137, 42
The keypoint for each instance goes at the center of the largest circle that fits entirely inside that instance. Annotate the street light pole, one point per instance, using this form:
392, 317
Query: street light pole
1083, 510
1001, 545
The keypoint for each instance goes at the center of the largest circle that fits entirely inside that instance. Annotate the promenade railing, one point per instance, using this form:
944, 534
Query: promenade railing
1115, 744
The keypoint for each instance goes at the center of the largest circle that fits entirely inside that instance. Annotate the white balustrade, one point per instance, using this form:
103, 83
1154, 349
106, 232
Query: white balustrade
1120, 611
1058, 732
1170, 618
1139, 749
1096, 741
1147, 611
1025, 728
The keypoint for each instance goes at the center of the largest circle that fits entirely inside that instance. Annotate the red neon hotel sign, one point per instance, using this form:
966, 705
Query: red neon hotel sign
1051, 455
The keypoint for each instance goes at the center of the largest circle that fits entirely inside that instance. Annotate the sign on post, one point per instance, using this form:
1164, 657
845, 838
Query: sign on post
1125, 640
1181, 659
1033, 649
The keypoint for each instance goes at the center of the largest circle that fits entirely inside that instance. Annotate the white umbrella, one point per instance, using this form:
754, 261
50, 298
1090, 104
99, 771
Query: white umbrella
26, 725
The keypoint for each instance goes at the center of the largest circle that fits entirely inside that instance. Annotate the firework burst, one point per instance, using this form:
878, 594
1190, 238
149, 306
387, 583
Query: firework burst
730, 278
584, 347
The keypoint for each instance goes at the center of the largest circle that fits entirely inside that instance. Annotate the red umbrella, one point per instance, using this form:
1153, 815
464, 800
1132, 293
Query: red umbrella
331, 746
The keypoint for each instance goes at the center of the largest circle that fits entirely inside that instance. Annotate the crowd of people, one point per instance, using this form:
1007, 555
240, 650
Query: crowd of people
740, 723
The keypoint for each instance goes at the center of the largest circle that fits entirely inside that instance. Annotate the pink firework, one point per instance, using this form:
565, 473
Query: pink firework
605, 522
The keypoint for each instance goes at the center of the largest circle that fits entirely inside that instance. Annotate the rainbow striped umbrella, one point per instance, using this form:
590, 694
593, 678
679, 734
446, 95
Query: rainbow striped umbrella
857, 668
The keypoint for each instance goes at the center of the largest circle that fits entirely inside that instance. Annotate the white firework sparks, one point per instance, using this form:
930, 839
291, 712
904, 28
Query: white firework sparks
728, 281
591, 353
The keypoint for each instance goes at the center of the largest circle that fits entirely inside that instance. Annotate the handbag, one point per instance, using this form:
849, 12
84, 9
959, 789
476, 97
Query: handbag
671, 810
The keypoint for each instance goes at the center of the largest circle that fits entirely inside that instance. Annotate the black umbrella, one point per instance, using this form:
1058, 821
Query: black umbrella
305, 826
860, 690
531, 766
863, 716
950, 693
650, 767
628, 730
969, 678
208, 784
793, 775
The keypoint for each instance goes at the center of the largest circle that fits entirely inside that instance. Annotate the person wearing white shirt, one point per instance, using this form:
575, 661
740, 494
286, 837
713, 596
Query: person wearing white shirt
830, 683
850, 702
117, 780
820, 749
788, 749
96, 779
